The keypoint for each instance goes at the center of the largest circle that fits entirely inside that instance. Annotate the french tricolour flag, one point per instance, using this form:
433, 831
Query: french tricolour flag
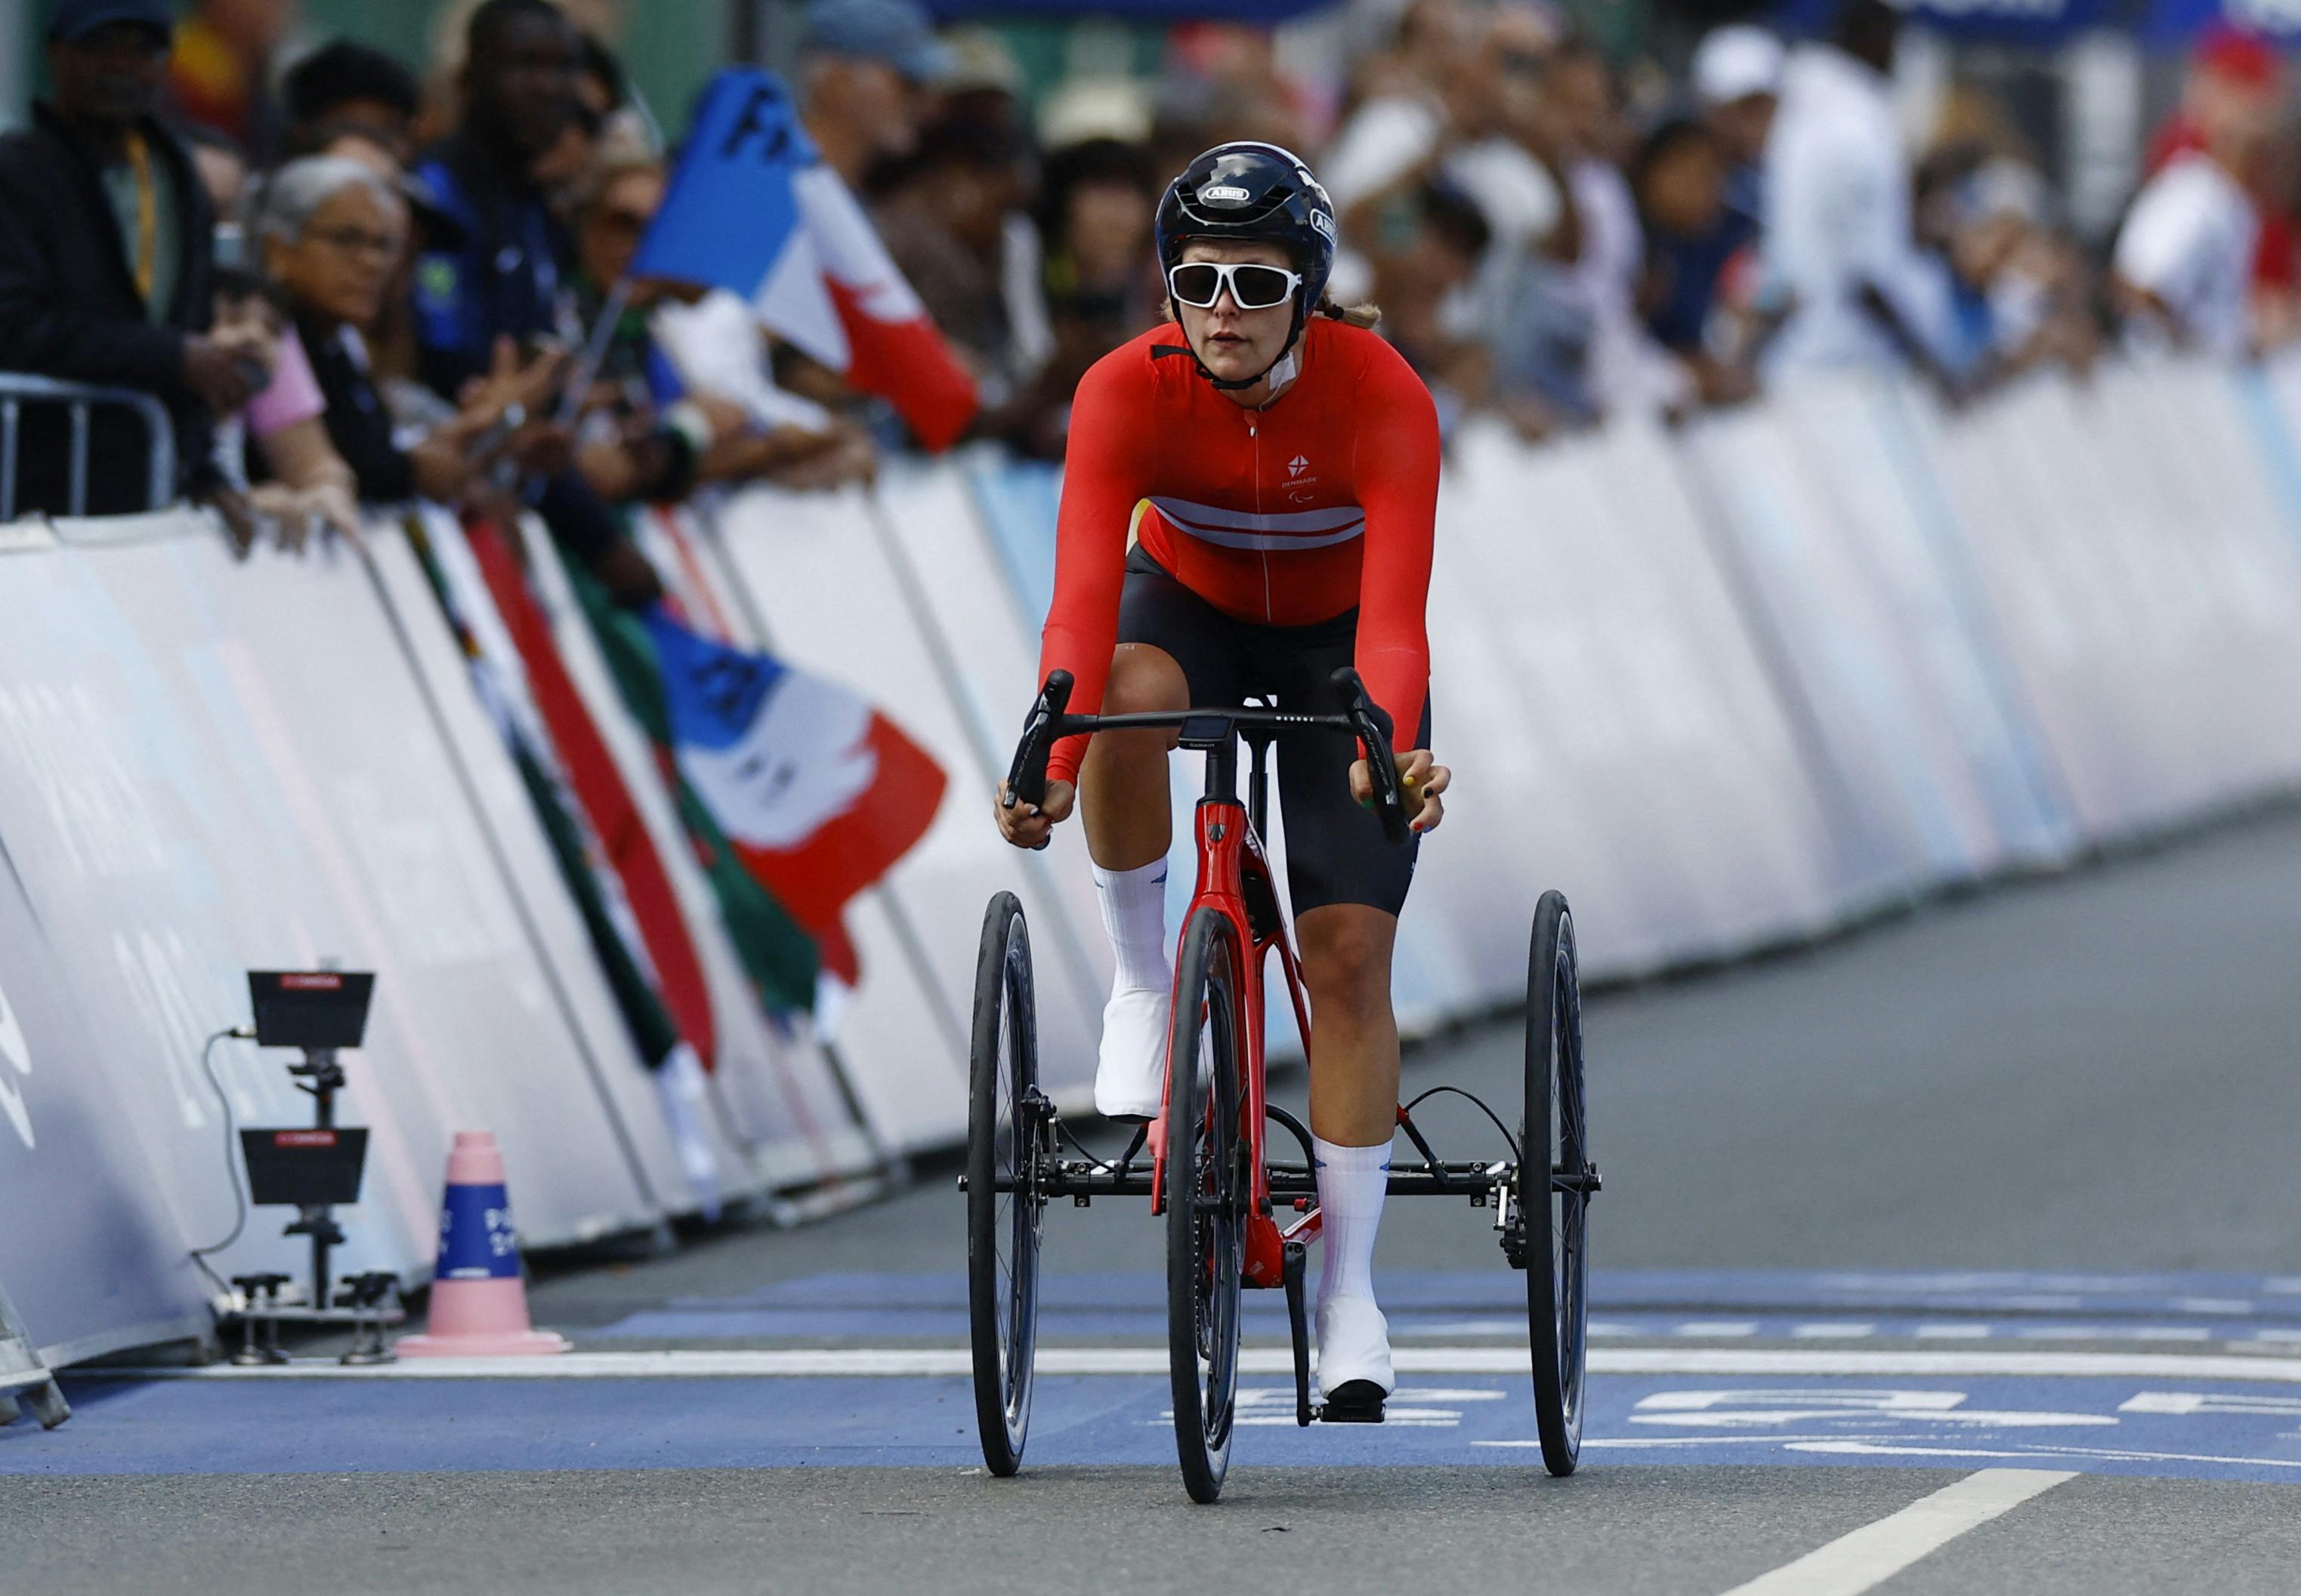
819, 793
752, 208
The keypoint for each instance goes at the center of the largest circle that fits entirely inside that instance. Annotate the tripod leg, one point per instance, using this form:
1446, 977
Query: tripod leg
1298, 1321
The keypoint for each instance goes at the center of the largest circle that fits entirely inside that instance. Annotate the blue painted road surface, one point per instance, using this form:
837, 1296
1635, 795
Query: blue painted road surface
2187, 1429
2261, 1312
2133, 1375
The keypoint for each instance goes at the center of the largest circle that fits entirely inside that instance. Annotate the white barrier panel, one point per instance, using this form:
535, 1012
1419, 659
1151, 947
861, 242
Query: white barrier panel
1633, 754
90, 1239
229, 768
778, 1096
2155, 635
1847, 586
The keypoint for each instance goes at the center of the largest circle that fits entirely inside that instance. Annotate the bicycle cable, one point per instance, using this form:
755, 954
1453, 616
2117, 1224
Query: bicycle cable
1126, 1159
1509, 1140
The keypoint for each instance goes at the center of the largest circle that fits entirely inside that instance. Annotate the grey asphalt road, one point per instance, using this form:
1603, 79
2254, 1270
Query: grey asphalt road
2097, 1071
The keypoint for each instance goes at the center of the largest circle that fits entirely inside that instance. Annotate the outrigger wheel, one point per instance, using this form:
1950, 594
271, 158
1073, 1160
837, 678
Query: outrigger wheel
1008, 1134
1550, 1239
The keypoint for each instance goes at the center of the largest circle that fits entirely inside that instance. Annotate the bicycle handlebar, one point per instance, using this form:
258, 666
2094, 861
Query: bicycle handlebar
1362, 717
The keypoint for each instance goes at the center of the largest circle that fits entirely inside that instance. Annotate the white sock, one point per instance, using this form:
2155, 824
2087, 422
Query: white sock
1352, 1181
1134, 912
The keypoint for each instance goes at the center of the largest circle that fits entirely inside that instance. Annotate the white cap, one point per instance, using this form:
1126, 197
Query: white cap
1734, 62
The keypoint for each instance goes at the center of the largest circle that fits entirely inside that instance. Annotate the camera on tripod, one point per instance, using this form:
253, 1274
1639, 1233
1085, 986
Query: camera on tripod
312, 1169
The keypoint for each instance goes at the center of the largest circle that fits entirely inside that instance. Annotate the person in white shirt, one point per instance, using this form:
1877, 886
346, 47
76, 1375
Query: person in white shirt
2183, 270
1837, 206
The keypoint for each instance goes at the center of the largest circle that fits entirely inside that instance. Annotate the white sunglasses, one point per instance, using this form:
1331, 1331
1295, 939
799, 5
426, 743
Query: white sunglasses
1199, 283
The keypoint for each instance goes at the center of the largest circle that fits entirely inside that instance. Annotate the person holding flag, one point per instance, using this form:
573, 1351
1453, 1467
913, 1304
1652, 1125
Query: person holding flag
1248, 505
755, 209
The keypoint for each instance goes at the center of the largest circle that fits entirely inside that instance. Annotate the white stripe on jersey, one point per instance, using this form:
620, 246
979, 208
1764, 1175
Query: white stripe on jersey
1242, 528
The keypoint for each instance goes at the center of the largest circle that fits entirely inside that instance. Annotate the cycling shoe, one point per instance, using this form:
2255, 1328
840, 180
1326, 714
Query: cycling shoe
1130, 1073
1354, 1402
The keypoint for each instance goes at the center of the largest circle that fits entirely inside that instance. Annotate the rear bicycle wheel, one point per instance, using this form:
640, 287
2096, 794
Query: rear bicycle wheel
1553, 1193
1004, 1143
1206, 1202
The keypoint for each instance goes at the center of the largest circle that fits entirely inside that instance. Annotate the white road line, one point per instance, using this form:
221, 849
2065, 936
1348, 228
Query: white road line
937, 1361
1873, 1554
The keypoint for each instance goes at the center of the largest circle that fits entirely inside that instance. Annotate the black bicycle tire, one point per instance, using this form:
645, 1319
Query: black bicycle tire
1208, 973
1005, 1371
1557, 1290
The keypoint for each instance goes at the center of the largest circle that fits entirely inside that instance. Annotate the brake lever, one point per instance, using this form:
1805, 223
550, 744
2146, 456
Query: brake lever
1026, 778
1374, 731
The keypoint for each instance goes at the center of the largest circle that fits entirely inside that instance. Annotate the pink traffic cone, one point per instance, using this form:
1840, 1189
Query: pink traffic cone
479, 1299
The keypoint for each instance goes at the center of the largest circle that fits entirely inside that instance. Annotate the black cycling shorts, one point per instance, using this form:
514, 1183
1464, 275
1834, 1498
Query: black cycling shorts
1335, 852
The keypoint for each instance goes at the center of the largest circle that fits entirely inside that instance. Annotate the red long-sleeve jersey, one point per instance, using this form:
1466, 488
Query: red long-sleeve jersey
1284, 517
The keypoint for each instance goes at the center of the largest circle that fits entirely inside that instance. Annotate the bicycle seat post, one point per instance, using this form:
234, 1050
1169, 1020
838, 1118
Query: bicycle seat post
1258, 740
1222, 767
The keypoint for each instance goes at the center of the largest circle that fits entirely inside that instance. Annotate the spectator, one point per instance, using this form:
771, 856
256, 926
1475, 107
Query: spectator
1416, 273
280, 443
346, 89
1096, 200
331, 233
503, 275
1570, 340
646, 435
106, 262
946, 222
863, 85
1679, 178
1736, 80
1737, 87
1837, 215
2186, 256
602, 103
501, 282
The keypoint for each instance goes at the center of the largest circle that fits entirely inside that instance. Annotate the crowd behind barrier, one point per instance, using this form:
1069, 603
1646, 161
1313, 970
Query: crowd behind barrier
1729, 687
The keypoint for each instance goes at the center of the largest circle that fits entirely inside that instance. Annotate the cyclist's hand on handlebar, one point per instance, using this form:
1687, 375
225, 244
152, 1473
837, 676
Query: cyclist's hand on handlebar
1424, 779
1027, 827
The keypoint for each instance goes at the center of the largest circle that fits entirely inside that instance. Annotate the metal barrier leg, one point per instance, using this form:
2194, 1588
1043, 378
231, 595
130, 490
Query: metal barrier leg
11, 414
79, 457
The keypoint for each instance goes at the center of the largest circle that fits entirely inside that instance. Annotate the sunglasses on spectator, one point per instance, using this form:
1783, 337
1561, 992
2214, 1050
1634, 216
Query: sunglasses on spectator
357, 241
1199, 283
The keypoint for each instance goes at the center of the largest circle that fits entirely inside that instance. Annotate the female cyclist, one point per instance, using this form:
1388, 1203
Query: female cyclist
1247, 507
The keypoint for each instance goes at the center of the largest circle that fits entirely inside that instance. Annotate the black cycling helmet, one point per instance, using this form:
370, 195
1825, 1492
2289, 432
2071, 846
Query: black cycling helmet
1258, 192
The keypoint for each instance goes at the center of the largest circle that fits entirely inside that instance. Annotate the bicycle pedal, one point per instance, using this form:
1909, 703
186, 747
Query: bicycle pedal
1353, 1402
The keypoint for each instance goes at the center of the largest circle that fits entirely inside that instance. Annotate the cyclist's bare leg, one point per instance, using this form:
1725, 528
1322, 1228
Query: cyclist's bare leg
1123, 780
1122, 800
1346, 951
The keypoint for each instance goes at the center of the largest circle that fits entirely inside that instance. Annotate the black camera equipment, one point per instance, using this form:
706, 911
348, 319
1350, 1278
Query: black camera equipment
312, 1169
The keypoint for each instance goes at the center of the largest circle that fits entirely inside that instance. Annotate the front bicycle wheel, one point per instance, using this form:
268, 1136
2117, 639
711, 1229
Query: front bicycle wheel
1004, 1212
1554, 1185
1205, 1201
